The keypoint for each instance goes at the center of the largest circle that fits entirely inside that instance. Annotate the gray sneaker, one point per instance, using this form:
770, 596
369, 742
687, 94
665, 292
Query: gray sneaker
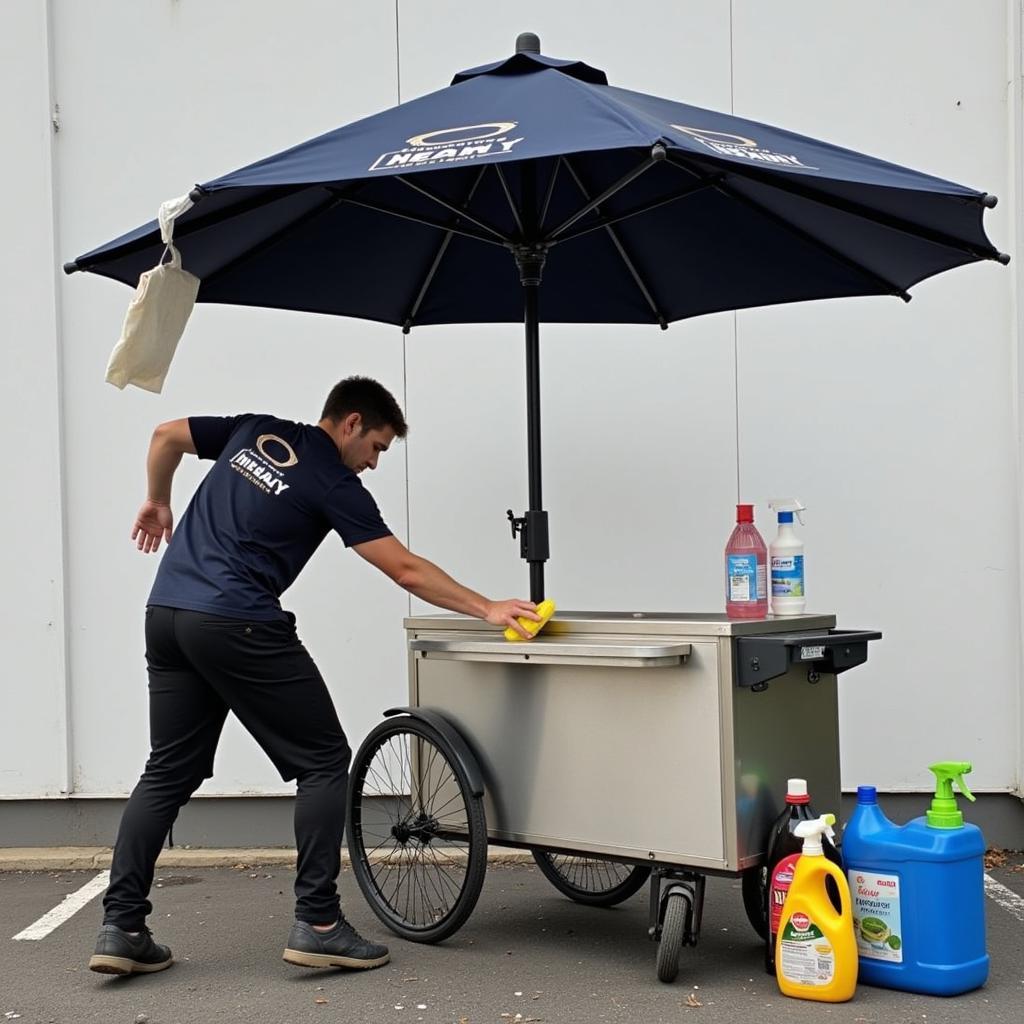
118, 952
342, 946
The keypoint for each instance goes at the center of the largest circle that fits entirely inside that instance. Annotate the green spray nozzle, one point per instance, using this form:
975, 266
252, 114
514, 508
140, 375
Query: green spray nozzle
944, 812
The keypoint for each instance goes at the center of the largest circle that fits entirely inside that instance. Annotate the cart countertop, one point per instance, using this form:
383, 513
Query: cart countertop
646, 623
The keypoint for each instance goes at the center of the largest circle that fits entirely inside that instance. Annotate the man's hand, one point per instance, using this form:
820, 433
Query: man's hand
154, 522
506, 613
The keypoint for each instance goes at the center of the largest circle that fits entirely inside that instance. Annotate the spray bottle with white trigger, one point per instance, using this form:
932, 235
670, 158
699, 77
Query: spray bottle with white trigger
786, 555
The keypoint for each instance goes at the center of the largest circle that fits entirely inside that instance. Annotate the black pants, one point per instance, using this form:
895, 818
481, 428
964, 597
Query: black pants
200, 667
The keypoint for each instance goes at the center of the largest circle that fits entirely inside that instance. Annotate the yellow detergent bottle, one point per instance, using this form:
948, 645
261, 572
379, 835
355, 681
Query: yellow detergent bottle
815, 950
545, 609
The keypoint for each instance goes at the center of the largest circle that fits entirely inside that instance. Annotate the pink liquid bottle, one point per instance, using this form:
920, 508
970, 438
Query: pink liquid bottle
746, 569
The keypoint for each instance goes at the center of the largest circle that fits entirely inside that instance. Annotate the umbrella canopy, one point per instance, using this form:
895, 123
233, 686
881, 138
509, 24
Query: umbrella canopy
452, 208
650, 211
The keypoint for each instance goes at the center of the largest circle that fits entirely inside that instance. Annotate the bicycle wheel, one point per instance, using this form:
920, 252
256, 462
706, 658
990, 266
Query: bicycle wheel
416, 833
589, 880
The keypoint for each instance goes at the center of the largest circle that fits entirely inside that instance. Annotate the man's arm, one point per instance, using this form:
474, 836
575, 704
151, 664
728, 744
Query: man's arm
430, 583
155, 521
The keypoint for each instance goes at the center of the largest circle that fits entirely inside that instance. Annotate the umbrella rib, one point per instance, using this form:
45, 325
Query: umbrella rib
905, 227
438, 256
416, 219
656, 156
551, 191
880, 282
511, 201
637, 211
451, 207
189, 227
613, 234
272, 240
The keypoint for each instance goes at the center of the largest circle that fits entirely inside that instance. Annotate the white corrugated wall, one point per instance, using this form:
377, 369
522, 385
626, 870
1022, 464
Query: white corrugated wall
902, 432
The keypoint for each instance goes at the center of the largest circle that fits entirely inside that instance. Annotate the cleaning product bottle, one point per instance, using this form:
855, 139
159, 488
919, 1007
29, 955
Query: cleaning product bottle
746, 569
786, 555
919, 892
780, 861
815, 951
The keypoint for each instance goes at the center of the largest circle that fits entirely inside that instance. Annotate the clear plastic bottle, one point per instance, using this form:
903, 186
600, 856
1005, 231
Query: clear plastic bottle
746, 569
786, 554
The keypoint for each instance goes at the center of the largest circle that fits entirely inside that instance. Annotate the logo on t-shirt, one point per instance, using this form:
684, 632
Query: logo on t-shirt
262, 467
290, 458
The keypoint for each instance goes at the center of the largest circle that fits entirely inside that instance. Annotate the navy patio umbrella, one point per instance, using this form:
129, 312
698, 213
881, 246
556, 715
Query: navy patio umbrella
453, 207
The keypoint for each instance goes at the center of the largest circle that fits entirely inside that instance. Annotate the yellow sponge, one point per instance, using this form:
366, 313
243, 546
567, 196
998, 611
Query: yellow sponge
545, 610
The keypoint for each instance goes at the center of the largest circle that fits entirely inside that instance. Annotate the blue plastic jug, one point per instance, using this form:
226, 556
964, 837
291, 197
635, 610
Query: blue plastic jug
918, 893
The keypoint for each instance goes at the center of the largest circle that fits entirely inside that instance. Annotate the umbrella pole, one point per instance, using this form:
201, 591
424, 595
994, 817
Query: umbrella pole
536, 532
533, 527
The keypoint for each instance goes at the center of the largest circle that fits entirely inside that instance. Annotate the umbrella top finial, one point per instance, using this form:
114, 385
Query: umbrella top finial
527, 42
528, 59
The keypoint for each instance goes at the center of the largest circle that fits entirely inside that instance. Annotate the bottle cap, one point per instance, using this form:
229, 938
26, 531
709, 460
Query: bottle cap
785, 517
796, 791
944, 812
867, 795
744, 513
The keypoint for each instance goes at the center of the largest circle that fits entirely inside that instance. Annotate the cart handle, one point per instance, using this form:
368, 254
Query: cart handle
765, 657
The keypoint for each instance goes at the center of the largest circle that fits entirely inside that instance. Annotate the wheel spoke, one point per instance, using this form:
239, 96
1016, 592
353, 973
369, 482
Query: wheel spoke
596, 881
590, 874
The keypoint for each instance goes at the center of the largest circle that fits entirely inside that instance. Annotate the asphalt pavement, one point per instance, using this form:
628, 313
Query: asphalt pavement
527, 954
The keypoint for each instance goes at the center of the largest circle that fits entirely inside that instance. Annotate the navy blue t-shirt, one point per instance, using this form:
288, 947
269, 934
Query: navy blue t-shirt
275, 491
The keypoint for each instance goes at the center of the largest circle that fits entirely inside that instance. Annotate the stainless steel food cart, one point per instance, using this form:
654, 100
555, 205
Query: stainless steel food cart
616, 746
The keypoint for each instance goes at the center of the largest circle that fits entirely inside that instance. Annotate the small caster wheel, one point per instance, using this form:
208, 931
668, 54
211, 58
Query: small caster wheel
673, 928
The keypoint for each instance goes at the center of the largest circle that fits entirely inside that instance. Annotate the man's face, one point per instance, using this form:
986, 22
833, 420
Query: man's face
360, 449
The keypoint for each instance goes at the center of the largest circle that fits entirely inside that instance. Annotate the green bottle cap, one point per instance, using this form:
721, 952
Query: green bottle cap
944, 812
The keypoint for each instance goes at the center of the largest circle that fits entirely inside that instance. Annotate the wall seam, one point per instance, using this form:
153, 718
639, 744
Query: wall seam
61, 625
405, 337
1016, 182
398, 52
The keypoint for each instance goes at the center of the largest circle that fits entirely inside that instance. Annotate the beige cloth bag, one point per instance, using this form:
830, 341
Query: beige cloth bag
157, 314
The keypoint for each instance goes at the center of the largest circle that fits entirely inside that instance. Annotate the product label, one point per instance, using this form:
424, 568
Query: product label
782, 878
787, 576
806, 957
876, 915
745, 579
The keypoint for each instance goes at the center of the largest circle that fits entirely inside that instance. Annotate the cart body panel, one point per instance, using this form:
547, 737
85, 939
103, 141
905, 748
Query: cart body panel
626, 735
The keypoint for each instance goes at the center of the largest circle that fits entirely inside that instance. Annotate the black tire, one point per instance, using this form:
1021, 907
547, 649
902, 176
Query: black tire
754, 903
673, 927
420, 857
590, 880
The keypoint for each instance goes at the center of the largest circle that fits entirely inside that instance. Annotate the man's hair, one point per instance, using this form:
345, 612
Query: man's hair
371, 400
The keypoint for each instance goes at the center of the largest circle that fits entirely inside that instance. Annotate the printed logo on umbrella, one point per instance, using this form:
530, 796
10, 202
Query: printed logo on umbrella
452, 145
727, 144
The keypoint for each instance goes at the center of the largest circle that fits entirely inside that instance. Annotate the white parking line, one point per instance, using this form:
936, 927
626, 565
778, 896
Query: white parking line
68, 907
1006, 898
